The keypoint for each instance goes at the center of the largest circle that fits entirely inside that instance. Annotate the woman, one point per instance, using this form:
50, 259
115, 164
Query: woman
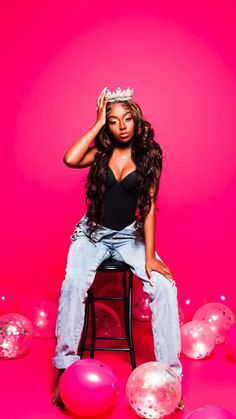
121, 191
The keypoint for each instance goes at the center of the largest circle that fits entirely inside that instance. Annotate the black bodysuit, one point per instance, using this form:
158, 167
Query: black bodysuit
120, 200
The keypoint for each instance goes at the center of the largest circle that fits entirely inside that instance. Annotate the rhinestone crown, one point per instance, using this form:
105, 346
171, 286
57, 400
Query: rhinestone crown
119, 95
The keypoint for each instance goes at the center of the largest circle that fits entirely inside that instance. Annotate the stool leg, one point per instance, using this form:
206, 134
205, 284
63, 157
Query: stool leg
93, 323
85, 328
128, 315
125, 306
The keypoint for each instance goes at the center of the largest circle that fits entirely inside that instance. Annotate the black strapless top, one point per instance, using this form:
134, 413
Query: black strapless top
120, 200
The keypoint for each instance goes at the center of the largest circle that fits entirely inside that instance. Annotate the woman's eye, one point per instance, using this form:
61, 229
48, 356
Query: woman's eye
114, 122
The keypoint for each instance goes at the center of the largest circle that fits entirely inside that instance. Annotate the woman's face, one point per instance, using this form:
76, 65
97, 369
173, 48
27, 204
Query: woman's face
120, 123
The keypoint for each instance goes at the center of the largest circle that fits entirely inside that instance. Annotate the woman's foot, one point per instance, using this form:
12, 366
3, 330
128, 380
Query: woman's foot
56, 398
181, 405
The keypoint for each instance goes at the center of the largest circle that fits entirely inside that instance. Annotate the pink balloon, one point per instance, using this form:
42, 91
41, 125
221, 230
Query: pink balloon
218, 316
110, 289
153, 390
141, 301
198, 340
210, 412
15, 335
42, 314
230, 342
107, 324
88, 387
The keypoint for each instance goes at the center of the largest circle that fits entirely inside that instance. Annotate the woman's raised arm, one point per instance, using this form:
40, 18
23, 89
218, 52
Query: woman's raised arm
81, 153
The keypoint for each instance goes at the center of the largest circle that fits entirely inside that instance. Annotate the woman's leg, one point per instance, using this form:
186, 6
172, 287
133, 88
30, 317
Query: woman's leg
164, 304
83, 259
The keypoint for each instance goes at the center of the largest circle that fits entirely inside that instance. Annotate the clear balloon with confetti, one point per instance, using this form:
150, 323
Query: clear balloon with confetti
15, 335
218, 316
198, 340
153, 390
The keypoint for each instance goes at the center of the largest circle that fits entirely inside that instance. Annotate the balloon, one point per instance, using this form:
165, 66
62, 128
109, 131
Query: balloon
107, 324
153, 390
15, 335
42, 314
218, 316
230, 342
210, 412
110, 289
197, 339
141, 301
88, 387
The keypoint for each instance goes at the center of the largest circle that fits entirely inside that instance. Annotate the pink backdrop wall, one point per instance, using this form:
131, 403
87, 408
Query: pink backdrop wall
179, 56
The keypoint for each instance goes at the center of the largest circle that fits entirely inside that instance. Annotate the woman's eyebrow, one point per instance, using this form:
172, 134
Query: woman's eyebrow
111, 116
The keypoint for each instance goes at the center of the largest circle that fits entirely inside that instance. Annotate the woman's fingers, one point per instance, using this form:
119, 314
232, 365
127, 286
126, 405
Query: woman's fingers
162, 269
102, 98
166, 271
166, 275
149, 273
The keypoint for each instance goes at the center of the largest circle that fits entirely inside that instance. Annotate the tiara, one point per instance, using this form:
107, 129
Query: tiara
119, 95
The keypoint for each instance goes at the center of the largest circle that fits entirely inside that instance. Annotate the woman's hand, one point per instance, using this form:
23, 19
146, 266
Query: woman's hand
101, 106
154, 264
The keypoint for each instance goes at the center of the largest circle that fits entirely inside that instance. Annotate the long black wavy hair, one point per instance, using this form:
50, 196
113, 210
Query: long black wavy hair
147, 156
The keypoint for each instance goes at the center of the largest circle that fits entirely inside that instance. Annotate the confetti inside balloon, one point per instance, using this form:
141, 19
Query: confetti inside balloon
88, 387
15, 335
107, 324
198, 340
218, 316
153, 390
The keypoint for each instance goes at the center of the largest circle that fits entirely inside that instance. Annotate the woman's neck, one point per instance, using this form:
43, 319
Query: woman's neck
123, 147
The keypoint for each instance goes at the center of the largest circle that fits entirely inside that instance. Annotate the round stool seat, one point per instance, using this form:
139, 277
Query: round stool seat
113, 265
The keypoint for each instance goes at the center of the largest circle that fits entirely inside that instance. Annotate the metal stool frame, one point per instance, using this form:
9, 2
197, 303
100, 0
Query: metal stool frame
110, 265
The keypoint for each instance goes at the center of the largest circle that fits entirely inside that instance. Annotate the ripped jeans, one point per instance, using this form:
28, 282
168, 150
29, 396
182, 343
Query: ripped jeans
84, 257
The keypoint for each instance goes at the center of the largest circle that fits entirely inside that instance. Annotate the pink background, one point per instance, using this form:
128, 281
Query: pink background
56, 56
179, 56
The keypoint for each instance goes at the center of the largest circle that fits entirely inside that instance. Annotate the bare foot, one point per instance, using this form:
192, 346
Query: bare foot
56, 398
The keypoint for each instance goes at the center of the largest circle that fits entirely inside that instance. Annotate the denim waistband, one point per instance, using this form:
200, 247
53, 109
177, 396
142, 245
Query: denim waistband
101, 231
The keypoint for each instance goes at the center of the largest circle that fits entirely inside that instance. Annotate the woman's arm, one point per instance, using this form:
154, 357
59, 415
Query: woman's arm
151, 262
81, 154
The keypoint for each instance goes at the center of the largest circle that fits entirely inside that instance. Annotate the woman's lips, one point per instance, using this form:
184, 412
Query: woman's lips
124, 135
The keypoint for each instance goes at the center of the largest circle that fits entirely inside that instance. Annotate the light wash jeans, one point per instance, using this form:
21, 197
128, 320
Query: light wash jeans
84, 257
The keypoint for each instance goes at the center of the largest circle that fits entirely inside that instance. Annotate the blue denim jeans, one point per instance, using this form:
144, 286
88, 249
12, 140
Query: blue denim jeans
84, 257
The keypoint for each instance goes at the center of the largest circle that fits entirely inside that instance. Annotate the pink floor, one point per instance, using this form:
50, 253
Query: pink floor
26, 383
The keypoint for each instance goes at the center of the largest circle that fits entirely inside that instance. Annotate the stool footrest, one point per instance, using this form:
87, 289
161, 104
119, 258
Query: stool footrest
112, 338
93, 348
110, 298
